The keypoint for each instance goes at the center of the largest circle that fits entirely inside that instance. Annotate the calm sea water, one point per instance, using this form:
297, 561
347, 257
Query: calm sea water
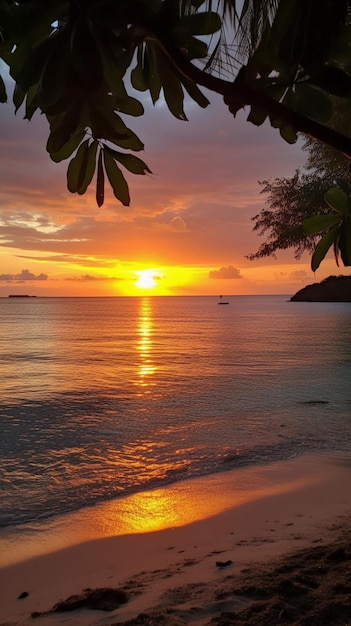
101, 397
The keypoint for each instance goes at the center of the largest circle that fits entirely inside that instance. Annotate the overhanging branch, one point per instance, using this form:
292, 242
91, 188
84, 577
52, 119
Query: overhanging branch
241, 92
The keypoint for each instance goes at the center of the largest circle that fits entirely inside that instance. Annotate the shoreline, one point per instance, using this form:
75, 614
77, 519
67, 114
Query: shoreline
234, 520
159, 508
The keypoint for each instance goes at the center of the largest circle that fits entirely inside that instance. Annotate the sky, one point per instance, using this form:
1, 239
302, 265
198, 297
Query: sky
187, 230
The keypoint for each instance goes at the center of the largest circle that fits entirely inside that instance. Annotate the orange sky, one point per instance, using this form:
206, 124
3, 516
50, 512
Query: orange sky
188, 225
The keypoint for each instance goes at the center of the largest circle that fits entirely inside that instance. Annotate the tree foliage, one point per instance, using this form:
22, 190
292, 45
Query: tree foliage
290, 201
81, 63
299, 207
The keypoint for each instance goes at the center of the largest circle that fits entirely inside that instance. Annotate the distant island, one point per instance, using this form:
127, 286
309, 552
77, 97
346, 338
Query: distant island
331, 289
20, 295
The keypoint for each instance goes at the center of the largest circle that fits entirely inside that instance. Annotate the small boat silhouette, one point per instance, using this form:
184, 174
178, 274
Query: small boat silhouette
222, 301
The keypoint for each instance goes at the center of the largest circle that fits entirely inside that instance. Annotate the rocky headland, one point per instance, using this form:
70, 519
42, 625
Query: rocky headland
332, 289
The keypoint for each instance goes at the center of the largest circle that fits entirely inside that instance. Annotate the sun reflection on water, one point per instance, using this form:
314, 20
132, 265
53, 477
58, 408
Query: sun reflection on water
145, 328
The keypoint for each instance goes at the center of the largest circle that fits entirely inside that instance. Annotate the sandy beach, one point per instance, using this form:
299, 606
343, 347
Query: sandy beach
273, 547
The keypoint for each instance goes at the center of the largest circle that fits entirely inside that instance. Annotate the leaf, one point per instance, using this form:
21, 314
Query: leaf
290, 100
288, 133
18, 97
129, 161
322, 248
90, 162
343, 184
309, 100
344, 242
27, 65
172, 88
116, 179
313, 102
151, 70
127, 104
204, 23
33, 20
319, 223
110, 61
32, 103
3, 94
113, 58
256, 116
276, 91
195, 93
69, 147
62, 128
77, 168
338, 200
193, 48
100, 182
112, 55
106, 124
56, 78
122, 57
86, 56
137, 77
234, 104
334, 80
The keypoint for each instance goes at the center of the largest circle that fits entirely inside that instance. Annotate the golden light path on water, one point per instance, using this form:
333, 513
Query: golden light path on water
157, 509
146, 365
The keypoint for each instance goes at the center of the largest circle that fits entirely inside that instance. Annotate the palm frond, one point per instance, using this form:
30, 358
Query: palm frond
254, 18
243, 25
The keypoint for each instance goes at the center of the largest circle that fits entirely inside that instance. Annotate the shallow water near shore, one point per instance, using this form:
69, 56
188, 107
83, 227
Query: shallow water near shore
162, 508
106, 398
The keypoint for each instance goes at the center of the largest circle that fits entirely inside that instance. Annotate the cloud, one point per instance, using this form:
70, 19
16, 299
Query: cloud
88, 278
72, 260
299, 275
22, 277
228, 272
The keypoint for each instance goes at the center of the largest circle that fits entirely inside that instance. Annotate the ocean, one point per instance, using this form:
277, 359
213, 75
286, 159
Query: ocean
105, 397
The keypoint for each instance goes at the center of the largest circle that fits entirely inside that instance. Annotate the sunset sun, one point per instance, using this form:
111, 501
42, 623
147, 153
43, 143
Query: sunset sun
145, 280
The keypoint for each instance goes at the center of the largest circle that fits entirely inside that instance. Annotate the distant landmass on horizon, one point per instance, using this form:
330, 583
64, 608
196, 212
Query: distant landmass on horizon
331, 289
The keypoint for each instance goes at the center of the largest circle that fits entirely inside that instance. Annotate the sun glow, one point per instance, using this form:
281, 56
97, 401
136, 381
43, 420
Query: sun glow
146, 279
